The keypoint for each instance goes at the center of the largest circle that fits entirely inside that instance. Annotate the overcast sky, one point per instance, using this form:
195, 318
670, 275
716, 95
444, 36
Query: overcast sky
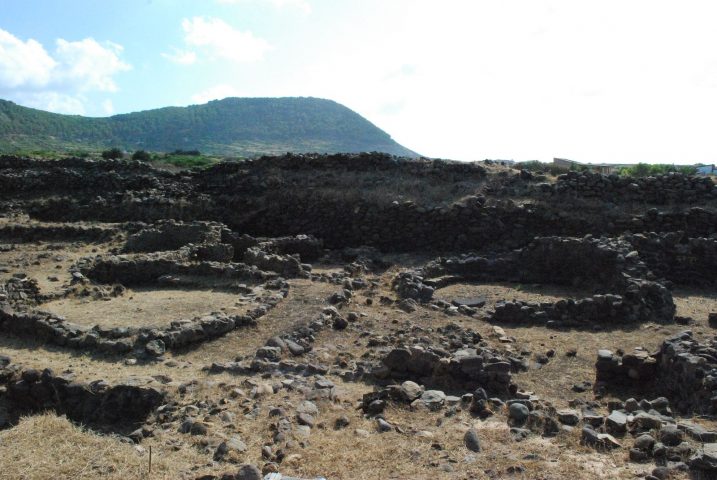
597, 81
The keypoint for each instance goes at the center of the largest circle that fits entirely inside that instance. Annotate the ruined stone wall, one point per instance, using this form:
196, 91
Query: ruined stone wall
248, 198
678, 258
642, 301
606, 265
464, 369
658, 190
683, 370
97, 404
143, 269
172, 235
19, 233
47, 328
22, 176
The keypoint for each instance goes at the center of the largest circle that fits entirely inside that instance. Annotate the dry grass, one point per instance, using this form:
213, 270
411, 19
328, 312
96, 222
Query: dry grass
144, 307
46, 446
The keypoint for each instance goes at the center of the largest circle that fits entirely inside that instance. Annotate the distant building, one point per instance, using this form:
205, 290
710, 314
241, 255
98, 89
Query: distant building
604, 168
706, 169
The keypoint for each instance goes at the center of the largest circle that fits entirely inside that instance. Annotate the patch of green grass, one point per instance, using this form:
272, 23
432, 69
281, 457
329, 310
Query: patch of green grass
184, 161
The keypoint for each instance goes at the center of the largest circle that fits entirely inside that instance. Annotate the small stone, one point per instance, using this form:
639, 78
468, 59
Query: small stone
638, 456
411, 390
644, 442
568, 417
155, 348
308, 407
631, 405
230, 450
341, 422
198, 428
582, 387
617, 422
271, 354
518, 412
519, 434
471, 440
340, 323
376, 407
305, 419
294, 348
433, 399
249, 472
670, 435
383, 425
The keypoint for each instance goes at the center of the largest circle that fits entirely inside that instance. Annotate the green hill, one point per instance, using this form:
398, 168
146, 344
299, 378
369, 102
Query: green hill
233, 126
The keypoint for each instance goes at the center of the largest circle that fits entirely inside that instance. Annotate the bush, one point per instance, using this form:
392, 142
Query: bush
537, 166
191, 153
646, 170
142, 156
112, 153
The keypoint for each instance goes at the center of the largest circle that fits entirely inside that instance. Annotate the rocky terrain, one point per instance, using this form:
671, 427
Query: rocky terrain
355, 317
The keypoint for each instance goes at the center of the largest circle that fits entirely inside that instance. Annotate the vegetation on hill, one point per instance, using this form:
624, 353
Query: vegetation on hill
637, 170
646, 169
233, 126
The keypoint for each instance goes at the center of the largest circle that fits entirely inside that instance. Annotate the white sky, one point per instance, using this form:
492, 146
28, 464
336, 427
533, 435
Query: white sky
597, 81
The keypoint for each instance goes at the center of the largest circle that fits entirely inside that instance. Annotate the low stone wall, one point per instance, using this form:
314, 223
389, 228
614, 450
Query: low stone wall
642, 301
22, 233
598, 262
678, 258
603, 264
143, 269
97, 404
46, 328
20, 291
659, 190
465, 369
144, 341
307, 247
172, 235
683, 370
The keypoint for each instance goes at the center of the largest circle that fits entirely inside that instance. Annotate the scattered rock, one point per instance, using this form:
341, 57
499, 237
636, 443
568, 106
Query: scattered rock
471, 440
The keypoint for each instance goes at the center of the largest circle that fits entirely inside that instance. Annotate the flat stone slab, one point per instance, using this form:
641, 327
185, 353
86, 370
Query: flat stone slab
475, 302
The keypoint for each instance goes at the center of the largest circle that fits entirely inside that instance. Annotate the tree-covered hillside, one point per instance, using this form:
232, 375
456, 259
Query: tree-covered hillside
233, 126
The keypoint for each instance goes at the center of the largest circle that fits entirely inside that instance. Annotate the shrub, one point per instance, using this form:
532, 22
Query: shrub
646, 170
537, 166
191, 153
112, 153
141, 155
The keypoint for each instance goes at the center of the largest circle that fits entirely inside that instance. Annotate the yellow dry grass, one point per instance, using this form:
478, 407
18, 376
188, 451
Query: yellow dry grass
46, 446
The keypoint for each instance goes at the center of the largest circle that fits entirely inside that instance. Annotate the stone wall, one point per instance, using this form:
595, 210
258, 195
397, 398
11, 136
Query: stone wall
144, 269
658, 190
172, 235
642, 301
465, 369
602, 264
678, 258
97, 404
683, 370
21, 233
250, 199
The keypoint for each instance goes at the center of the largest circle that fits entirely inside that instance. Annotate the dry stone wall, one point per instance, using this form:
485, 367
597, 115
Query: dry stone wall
683, 370
658, 190
604, 264
250, 199
98, 404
